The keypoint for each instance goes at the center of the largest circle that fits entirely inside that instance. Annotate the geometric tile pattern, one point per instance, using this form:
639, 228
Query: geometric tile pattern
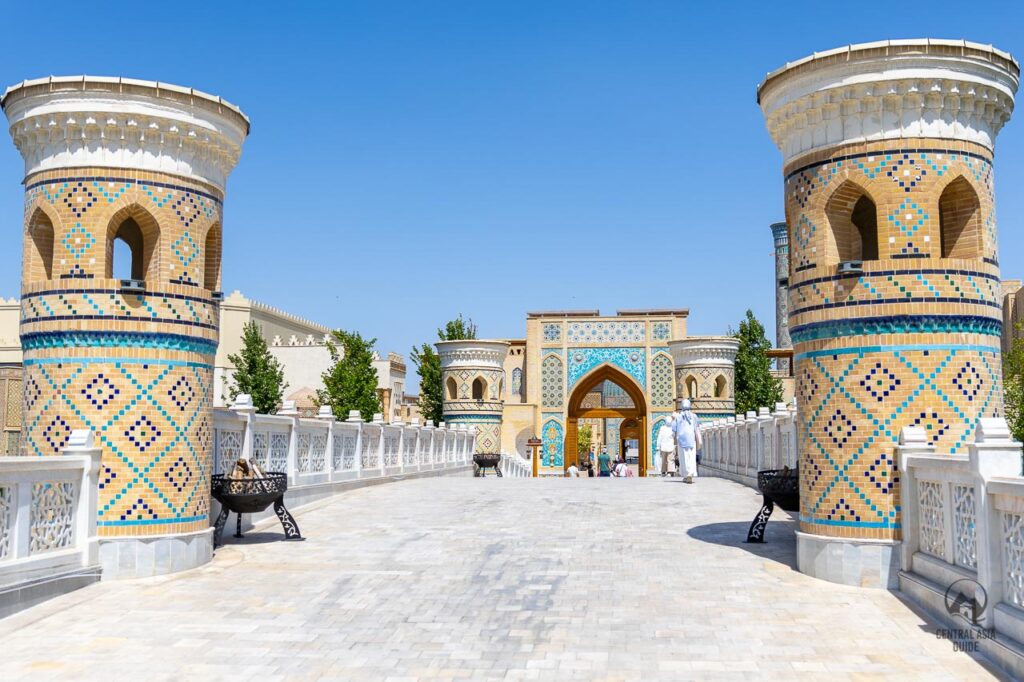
911, 340
135, 369
553, 438
629, 360
552, 382
552, 331
488, 430
605, 332
662, 382
853, 406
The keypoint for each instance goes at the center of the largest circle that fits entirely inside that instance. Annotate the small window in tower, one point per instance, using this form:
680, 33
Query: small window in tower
721, 387
960, 220
479, 389
853, 219
453, 389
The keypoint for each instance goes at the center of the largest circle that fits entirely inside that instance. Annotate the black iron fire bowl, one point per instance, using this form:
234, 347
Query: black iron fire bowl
251, 496
777, 486
488, 460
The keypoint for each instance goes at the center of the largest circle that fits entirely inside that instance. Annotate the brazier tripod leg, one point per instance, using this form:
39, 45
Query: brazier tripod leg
238, 527
291, 529
218, 527
756, 532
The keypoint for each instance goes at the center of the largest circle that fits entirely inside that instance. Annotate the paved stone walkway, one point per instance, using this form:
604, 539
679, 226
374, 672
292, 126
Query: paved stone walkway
492, 579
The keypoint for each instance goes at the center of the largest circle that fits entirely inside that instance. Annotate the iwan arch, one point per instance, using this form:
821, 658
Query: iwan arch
621, 375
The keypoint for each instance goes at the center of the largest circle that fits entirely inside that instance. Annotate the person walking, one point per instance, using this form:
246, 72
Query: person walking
688, 439
666, 445
621, 468
573, 471
604, 463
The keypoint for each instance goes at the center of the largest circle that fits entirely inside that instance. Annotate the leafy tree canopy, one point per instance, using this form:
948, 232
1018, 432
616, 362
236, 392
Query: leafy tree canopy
351, 381
755, 385
257, 372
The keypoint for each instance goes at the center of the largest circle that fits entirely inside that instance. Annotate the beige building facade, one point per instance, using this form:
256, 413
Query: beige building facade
620, 375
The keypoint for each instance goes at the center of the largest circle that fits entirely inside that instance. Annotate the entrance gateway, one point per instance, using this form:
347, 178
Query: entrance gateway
620, 374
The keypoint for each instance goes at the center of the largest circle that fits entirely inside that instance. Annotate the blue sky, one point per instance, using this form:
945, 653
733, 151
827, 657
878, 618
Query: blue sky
412, 160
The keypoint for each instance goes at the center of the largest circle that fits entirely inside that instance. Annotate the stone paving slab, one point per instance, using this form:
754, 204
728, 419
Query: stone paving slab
493, 579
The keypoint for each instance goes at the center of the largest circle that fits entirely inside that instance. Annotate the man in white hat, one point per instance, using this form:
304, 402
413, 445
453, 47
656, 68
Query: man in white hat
666, 445
686, 428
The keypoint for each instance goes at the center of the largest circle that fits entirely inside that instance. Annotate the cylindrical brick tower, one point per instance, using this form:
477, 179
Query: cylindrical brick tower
705, 374
780, 236
473, 380
894, 275
126, 349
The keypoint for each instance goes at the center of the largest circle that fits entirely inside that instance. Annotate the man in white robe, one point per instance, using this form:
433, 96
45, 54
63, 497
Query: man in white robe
666, 449
688, 439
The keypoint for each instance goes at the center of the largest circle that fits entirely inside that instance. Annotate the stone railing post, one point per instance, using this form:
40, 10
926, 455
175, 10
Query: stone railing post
472, 445
325, 414
244, 408
400, 454
782, 452
288, 410
750, 437
82, 443
766, 449
427, 455
913, 441
993, 454
354, 417
378, 419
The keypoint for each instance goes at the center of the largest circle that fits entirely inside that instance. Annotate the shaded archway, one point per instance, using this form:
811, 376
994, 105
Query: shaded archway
634, 409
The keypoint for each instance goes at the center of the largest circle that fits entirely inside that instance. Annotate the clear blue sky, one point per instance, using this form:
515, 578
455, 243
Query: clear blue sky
412, 160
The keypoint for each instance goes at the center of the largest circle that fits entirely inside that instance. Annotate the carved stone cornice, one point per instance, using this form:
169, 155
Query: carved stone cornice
893, 89
704, 351
472, 354
88, 121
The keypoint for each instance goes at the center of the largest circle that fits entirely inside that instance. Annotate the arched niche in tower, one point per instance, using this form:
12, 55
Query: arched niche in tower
211, 258
853, 223
139, 232
960, 220
479, 388
39, 251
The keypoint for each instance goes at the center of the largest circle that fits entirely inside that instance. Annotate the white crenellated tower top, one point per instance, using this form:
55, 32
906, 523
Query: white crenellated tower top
925, 88
94, 121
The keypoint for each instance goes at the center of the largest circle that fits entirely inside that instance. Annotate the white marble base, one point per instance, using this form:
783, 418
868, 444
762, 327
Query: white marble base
143, 557
849, 561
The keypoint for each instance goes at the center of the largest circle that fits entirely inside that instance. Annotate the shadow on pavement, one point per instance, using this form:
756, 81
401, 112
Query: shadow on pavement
779, 543
253, 538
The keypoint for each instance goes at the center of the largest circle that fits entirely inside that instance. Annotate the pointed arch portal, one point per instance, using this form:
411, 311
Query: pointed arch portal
635, 415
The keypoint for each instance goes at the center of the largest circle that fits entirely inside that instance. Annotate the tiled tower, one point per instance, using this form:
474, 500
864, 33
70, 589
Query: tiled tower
143, 163
705, 373
894, 274
780, 236
473, 381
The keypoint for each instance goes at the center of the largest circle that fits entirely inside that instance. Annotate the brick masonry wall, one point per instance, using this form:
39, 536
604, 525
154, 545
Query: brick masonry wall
913, 340
134, 368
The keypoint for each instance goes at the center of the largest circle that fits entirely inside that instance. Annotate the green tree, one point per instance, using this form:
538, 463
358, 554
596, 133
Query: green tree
755, 385
584, 437
428, 366
1013, 386
257, 372
351, 381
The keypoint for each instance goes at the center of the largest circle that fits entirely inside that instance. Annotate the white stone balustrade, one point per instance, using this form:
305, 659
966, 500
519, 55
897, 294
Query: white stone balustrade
963, 520
738, 448
48, 519
324, 450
